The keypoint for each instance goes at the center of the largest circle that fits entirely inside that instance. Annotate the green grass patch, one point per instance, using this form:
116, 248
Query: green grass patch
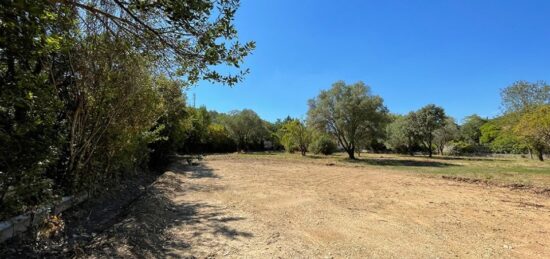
505, 171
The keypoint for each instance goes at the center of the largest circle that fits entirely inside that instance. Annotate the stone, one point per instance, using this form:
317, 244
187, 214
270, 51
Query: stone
21, 223
6, 230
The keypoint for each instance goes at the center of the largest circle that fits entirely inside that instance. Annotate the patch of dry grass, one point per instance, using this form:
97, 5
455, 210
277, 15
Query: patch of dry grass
503, 171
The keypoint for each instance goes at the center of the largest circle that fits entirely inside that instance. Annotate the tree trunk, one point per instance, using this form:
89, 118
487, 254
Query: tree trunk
351, 153
530, 152
410, 147
430, 147
540, 155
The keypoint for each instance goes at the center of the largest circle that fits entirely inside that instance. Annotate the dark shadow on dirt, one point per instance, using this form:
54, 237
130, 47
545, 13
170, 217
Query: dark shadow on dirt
82, 222
148, 230
262, 153
316, 156
401, 162
139, 217
192, 171
456, 158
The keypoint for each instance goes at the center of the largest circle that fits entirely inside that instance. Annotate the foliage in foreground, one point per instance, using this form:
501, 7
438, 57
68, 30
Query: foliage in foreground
85, 91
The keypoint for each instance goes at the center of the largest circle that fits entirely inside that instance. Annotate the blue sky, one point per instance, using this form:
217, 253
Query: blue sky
456, 54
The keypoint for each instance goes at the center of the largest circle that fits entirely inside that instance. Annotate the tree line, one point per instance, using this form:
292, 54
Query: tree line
91, 91
351, 118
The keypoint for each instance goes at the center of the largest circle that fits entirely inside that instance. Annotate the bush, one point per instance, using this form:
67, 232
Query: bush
457, 148
323, 145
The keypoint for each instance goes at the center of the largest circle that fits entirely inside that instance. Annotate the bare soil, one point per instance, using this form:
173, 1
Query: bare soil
236, 206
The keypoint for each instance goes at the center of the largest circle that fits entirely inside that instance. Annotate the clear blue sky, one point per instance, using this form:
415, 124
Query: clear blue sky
457, 54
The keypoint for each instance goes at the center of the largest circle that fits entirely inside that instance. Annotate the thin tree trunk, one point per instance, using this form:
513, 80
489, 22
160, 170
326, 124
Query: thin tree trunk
410, 146
540, 155
351, 153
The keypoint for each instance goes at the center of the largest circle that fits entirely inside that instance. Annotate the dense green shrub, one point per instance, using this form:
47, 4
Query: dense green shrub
323, 145
219, 140
31, 133
457, 148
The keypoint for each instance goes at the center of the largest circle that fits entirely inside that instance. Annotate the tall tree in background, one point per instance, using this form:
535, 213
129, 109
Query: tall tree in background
471, 128
295, 134
246, 128
499, 136
196, 129
401, 134
535, 128
520, 98
348, 112
523, 95
426, 121
170, 124
446, 134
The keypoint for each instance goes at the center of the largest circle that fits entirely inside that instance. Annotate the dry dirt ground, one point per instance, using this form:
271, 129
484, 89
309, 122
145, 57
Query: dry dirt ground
236, 206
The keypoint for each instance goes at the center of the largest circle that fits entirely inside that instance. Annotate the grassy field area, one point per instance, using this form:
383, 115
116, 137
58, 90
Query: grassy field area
512, 171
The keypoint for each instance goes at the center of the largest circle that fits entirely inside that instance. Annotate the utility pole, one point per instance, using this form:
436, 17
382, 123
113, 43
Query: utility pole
194, 99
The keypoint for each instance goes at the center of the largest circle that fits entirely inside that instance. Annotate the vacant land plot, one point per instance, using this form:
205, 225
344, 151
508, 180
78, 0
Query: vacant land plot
263, 206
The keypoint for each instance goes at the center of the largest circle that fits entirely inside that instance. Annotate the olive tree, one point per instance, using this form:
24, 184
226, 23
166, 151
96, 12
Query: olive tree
246, 128
348, 112
522, 95
401, 134
426, 121
446, 134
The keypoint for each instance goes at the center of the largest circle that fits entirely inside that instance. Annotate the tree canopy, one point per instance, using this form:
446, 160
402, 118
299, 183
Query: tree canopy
426, 121
92, 90
246, 128
535, 128
523, 95
348, 112
446, 134
295, 135
401, 134
471, 128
